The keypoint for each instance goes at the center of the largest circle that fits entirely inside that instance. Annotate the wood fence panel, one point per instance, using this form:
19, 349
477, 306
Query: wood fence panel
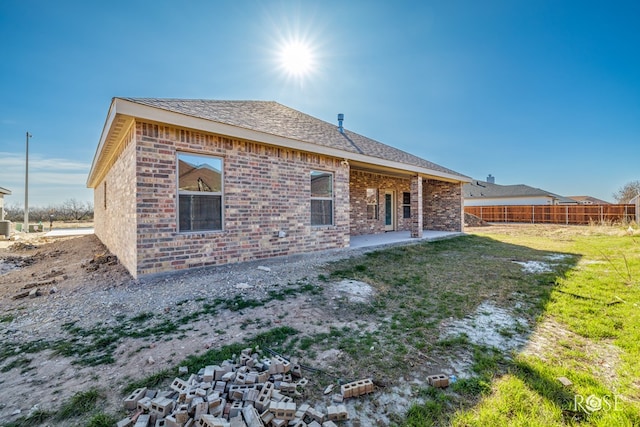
555, 214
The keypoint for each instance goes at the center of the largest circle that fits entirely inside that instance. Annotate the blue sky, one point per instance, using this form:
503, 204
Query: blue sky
543, 93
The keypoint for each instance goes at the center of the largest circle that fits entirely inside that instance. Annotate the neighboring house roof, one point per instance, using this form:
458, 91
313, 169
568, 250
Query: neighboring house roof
4, 191
588, 200
272, 118
486, 190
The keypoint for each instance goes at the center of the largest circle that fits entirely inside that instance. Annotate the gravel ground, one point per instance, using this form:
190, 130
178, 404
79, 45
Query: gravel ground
79, 282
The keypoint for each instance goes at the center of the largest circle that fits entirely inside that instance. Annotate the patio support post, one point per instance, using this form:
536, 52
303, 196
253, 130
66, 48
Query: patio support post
416, 207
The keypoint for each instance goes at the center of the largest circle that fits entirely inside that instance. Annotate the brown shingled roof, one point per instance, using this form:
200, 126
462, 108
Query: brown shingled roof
276, 119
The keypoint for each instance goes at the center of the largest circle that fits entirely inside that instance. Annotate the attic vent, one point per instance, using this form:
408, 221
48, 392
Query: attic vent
340, 119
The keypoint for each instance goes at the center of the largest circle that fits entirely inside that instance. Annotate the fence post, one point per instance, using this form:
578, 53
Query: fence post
601, 216
505, 213
533, 214
566, 210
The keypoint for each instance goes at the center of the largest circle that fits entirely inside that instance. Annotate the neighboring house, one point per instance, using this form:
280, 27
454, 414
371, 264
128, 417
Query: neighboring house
588, 200
3, 192
484, 193
189, 183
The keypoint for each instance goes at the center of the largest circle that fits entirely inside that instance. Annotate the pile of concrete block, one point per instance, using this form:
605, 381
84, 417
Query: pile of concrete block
252, 391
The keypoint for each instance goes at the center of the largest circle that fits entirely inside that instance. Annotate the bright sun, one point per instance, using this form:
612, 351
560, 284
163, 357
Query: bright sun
296, 59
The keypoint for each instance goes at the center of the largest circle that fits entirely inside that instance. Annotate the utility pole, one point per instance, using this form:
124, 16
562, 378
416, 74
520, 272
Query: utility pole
25, 227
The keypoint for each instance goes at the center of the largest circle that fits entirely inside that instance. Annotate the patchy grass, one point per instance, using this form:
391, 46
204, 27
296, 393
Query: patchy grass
581, 322
419, 286
96, 345
72, 412
596, 306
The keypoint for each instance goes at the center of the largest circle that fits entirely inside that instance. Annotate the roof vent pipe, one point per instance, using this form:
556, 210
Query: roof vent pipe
340, 119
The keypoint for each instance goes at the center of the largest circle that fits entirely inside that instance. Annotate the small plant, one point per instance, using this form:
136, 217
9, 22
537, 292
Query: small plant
102, 420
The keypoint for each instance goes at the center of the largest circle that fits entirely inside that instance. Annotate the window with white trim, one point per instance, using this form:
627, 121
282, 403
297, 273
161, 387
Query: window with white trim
406, 205
372, 203
321, 198
199, 193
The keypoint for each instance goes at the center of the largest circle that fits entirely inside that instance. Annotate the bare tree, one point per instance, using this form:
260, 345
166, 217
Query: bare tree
627, 192
76, 210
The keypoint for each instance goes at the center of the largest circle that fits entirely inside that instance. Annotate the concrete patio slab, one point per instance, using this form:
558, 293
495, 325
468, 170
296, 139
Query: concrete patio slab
392, 237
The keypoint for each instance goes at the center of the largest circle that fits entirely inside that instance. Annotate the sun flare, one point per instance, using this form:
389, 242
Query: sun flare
296, 58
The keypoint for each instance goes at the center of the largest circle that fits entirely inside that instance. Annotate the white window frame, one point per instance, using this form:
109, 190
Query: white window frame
316, 198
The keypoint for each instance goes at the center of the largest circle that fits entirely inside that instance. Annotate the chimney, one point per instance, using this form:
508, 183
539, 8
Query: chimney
491, 179
340, 119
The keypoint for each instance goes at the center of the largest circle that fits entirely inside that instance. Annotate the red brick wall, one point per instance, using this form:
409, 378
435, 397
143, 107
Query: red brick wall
115, 211
359, 182
443, 209
266, 190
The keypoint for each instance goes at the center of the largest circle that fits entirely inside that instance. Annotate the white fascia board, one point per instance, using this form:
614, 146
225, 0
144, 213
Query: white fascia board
154, 114
111, 115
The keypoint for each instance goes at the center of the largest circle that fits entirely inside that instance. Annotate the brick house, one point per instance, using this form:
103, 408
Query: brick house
189, 183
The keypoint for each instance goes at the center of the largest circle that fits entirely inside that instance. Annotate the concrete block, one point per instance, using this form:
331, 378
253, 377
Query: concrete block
296, 371
283, 410
357, 388
241, 378
181, 415
263, 377
251, 378
209, 372
250, 395
314, 423
315, 415
565, 381
337, 413
179, 385
218, 409
201, 408
237, 422
131, 401
220, 386
161, 423
287, 388
170, 421
208, 420
125, 422
183, 370
438, 380
228, 377
266, 417
143, 420
276, 422
161, 406
236, 408
329, 424
143, 404
251, 417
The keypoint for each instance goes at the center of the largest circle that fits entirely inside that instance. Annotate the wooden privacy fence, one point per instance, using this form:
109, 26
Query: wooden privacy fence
555, 214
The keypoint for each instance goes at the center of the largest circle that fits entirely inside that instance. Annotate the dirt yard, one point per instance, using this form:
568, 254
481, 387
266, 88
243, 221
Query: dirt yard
78, 282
